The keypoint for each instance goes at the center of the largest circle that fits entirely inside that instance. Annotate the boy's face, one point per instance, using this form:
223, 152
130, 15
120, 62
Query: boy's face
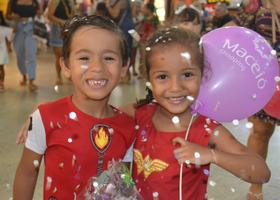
95, 64
174, 77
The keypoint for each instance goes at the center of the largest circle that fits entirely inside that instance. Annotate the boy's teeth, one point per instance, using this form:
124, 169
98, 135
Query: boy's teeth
98, 83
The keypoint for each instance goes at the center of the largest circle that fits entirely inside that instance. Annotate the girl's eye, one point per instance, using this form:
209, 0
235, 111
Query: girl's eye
187, 74
162, 76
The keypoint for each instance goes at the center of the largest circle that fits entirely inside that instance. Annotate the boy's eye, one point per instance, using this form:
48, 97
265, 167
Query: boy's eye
162, 76
84, 58
109, 58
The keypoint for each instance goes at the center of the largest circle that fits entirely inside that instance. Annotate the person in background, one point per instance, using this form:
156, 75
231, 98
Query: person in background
22, 13
189, 18
5, 47
120, 11
58, 12
147, 27
221, 16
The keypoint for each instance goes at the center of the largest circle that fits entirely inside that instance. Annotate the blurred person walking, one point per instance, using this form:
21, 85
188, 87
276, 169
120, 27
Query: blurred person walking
58, 12
22, 13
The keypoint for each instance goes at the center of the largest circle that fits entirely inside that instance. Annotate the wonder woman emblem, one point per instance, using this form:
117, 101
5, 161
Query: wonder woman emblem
101, 137
148, 165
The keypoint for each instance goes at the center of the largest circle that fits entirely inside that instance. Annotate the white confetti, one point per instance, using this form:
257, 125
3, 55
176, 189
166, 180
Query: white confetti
187, 162
277, 78
49, 183
70, 140
216, 133
73, 115
56, 88
212, 183
155, 194
186, 56
73, 160
190, 98
36, 163
148, 84
254, 96
273, 52
196, 154
95, 184
175, 120
232, 189
249, 125
137, 127
235, 122
148, 48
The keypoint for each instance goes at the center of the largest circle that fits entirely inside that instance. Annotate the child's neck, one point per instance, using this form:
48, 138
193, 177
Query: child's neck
98, 109
162, 120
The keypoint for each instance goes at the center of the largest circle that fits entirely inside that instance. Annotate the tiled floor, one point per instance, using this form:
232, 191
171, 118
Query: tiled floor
16, 103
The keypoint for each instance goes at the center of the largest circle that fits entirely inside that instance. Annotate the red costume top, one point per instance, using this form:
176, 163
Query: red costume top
78, 146
155, 167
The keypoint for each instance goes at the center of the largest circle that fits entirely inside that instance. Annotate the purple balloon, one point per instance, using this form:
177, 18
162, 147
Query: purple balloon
238, 81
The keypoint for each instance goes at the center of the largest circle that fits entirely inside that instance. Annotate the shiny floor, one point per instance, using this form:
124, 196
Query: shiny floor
17, 102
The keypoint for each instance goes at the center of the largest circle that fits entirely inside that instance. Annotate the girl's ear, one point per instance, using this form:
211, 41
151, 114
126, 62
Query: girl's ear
65, 69
125, 68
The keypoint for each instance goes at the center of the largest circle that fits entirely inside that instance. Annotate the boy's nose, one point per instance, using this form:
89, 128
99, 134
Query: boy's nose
96, 66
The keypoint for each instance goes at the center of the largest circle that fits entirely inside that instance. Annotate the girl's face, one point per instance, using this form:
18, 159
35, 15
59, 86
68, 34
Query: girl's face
174, 75
95, 64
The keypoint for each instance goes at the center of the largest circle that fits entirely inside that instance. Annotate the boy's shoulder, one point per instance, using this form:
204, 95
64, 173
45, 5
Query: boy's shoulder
55, 105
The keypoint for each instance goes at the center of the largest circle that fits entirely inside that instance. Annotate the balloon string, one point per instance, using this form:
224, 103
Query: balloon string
181, 165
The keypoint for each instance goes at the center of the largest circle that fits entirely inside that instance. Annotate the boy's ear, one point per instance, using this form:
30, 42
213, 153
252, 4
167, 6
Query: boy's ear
65, 69
125, 68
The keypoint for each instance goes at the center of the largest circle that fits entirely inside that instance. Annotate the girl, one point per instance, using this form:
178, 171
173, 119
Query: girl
169, 134
58, 12
79, 134
22, 12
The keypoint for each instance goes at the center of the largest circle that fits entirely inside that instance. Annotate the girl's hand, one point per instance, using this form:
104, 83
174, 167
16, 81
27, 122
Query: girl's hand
191, 153
22, 134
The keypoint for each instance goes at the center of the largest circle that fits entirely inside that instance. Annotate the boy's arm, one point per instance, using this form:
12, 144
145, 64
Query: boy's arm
236, 158
26, 175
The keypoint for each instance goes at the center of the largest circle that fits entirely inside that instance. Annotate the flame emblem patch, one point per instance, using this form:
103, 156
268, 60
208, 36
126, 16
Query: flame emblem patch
101, 137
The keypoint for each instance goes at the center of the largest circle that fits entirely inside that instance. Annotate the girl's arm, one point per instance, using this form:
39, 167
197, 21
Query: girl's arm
26, 175
227, 153
237, 158
9, 14
51, 10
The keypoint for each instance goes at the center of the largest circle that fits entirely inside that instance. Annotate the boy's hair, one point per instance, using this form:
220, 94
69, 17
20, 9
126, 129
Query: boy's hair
76, 22
166, 37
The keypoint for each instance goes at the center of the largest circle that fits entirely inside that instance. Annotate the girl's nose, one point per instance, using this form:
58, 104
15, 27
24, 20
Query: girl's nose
175, 85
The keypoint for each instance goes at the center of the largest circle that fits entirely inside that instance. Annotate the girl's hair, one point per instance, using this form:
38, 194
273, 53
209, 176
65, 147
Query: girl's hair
167, 37
75, 23
151, 7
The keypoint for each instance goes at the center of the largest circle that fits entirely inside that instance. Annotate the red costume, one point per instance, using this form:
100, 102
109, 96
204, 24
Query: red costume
77, 146
155, 167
